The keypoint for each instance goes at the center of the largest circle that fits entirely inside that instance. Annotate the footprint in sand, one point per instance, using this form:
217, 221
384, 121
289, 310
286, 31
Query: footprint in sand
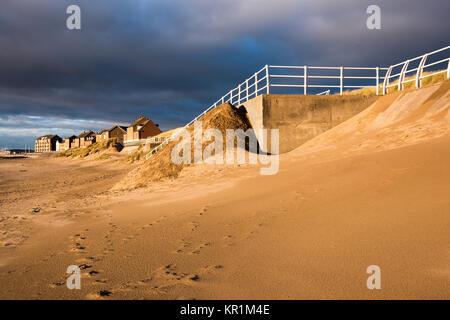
183, 245
102, 294
101, 281
77, 243
151, 224
166, 277
200, 247
194, 225
56, 284
229, 240
128, 238
203, 211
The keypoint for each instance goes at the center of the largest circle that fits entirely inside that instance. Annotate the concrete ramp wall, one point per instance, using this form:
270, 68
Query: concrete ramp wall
300, 118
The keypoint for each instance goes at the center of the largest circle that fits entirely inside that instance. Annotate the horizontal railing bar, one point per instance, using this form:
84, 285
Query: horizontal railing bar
412, 70
287, 85
328, 68
359, 86
395, 75
286, 76
439, 50
263, 88
260, 80
429, 54
324, 77
435, 63
357, 77
432, 74
288, 67
332, 68
363, 68
395, 84
320, 86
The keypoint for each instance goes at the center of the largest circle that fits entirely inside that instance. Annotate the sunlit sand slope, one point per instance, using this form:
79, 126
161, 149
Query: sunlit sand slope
372, 191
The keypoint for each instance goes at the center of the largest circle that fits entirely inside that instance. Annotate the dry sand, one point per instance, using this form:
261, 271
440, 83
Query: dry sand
373, 190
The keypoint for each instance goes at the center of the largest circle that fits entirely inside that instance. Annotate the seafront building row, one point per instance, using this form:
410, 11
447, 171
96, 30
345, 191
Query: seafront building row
142, 131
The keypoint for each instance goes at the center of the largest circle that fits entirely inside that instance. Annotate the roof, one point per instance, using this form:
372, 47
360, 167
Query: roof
116, 126
143, 124
47, 136
71, 137
141, 120
85, 134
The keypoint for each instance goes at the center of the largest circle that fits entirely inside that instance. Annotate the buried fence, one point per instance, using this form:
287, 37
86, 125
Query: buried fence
312, 80
432, 63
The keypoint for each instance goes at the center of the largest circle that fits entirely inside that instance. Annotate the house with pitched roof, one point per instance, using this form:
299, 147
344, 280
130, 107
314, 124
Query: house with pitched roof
67, 143
46, 143
85, 139
116, 132
140, 130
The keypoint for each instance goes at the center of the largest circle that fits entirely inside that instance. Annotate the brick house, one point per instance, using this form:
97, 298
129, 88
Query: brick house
116, 132
67, 143
86, 139
46, 143
142, 128
102, 135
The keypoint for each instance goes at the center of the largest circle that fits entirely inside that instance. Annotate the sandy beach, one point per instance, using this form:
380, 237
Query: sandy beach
372, 191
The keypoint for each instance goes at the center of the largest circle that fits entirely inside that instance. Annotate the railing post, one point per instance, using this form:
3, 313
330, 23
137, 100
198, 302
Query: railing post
402, 75
256, 85
448, 69
378, 78
341, 79
246, 90
305, 79
239, 94
420, 70
268, 79
386, 80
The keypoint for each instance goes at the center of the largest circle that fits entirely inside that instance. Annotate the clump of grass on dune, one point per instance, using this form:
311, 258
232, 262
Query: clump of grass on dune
137, 155
160, 166
110, 144
104, 156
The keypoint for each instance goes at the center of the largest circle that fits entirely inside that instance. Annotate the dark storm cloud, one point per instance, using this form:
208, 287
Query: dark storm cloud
171, 59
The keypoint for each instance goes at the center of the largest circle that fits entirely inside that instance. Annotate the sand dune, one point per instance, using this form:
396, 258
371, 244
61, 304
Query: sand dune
372, 190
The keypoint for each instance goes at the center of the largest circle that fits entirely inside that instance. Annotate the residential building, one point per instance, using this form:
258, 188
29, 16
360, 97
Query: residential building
67, 143
46, 143
86, 139
141, 129
116, 132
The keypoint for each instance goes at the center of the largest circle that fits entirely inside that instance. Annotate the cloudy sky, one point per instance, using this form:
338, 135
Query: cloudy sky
170, 59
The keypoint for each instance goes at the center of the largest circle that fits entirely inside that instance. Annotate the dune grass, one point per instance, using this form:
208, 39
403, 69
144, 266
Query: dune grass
137, 155
110, 144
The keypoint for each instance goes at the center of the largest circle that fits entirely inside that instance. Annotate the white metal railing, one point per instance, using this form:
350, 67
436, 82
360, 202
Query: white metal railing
341, 78
260, 82
419, 65
263, 81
